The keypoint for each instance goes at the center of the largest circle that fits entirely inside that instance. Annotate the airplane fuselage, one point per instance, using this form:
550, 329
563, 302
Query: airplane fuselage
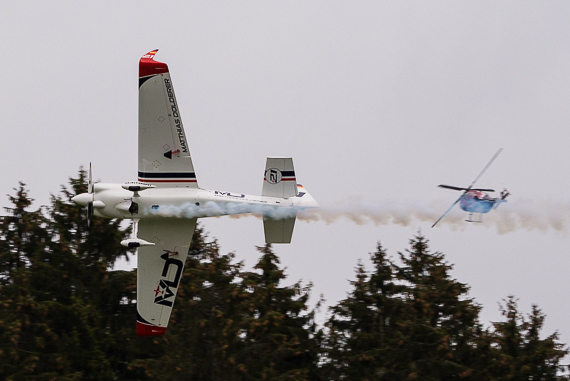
112, 201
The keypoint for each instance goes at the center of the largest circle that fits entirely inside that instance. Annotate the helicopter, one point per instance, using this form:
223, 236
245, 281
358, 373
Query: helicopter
476, 200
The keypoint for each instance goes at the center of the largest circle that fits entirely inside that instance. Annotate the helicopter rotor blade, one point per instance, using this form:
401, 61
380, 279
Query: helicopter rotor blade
486, 167
451, 207
451, 187
464, 189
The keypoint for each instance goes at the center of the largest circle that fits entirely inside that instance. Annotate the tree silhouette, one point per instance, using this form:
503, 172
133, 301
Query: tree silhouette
66, 314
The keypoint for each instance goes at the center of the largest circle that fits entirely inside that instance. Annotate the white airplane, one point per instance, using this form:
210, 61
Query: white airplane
166, 201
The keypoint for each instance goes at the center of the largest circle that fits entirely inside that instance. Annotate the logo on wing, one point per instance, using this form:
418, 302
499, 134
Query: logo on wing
163, 294
273, 176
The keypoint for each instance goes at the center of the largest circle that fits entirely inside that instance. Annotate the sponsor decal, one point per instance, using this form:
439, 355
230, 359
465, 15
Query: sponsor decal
163, 294
175, 114
228, 194
273, 176
169, 154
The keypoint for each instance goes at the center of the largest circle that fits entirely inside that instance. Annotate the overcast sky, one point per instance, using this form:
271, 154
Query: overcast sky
377, 102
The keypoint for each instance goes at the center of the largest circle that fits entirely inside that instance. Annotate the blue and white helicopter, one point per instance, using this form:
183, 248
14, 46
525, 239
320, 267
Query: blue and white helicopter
475, 200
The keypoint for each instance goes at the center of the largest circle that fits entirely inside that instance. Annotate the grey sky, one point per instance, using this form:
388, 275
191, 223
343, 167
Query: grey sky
377, 102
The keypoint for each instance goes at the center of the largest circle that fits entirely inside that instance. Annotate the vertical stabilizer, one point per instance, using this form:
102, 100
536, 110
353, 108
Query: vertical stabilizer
279, 180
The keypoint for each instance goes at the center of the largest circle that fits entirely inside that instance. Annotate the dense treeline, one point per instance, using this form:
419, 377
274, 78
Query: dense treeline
66, 315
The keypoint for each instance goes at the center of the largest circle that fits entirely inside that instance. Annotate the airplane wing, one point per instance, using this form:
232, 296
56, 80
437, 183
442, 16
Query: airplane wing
164, 156
159, 271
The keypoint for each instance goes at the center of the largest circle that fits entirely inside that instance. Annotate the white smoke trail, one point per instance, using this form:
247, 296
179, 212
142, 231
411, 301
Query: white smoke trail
217, 209
531, 215
383, 213
509, 217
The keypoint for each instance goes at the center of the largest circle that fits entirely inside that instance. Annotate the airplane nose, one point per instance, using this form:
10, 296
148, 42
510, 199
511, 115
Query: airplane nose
82, 199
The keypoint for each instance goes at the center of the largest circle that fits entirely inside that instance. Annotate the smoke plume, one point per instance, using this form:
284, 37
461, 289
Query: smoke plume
508, 217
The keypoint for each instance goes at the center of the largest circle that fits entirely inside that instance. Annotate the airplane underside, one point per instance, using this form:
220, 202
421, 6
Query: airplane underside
116, 202
166, 201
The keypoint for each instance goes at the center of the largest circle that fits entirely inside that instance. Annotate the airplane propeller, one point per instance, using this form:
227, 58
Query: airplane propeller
88, 199
90, 203
470, 187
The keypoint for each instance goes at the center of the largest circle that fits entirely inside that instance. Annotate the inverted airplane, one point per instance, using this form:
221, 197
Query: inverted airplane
166, 201
476, 200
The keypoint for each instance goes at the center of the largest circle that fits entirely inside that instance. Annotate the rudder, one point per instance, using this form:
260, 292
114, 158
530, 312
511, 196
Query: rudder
279, 179
280, 182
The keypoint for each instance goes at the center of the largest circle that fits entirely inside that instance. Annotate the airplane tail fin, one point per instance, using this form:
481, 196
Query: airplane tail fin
304, 200
280, 182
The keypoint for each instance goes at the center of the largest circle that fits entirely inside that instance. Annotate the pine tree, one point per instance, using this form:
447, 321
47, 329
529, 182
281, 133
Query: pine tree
520, 352
234, 325
58, 322
404, 322
363, 330
22, 332
280, 337
442, 321
87, 256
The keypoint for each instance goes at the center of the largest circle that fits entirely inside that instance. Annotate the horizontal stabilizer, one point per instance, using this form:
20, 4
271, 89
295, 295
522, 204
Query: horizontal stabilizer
278, 231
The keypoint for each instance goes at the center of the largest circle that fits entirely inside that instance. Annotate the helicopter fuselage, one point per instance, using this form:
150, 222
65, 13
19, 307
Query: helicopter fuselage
477, 202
